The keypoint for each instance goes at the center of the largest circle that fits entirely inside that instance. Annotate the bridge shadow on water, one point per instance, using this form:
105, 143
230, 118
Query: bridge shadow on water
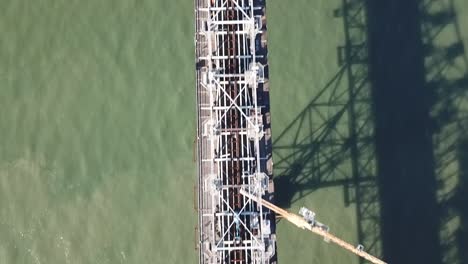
391, 128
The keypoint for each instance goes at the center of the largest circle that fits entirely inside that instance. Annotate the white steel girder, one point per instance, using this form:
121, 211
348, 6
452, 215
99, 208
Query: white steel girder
232, 117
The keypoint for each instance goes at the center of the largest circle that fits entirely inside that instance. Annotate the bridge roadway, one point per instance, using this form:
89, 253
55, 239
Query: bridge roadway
233, 133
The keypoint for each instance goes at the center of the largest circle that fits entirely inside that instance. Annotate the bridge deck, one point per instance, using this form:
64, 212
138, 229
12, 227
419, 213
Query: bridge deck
233, 132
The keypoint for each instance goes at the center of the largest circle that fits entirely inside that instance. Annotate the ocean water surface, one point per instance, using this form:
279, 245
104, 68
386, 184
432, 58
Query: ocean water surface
97, 128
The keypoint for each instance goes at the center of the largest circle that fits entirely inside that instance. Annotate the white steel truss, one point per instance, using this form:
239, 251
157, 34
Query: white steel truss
233, 228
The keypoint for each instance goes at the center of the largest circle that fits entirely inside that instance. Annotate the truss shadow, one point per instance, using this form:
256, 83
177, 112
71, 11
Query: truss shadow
419, 86
399, 100
447, 79
330, 142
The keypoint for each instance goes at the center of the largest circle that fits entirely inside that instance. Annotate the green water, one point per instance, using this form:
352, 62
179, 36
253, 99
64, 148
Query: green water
97, 124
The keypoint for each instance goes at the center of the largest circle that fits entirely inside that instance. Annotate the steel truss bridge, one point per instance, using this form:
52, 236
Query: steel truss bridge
233, 132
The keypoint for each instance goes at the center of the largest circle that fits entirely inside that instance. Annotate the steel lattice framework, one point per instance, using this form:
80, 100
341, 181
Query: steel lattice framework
231, 135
